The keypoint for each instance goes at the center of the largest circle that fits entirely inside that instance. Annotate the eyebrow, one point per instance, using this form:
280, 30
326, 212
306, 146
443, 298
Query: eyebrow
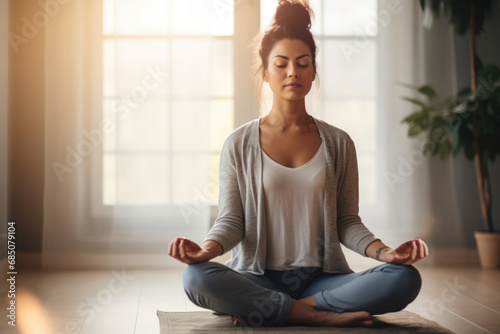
299, 57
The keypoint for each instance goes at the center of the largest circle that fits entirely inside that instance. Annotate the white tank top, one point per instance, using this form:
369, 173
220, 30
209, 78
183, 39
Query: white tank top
294, 210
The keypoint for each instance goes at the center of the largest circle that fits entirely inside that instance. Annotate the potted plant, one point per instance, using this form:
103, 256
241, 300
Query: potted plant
469, 121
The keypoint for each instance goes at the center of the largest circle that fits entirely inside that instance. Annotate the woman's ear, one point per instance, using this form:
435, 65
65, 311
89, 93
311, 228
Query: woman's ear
265, 76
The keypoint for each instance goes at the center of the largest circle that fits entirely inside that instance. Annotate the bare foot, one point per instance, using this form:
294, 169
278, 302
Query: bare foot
348, 319
236, 321
309, 300
304, 313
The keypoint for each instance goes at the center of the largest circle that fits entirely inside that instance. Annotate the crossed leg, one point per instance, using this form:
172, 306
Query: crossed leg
217, 287
382, 289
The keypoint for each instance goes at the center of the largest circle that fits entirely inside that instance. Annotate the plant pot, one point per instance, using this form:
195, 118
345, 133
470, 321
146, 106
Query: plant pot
488, 246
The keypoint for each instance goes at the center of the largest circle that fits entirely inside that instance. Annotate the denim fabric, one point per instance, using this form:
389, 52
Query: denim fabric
219, 288
265, 300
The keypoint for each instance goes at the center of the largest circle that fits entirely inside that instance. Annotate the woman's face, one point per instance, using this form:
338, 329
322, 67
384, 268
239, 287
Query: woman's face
290, 71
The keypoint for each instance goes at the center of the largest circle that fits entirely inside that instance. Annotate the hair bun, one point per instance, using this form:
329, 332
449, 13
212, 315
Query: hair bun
293, 13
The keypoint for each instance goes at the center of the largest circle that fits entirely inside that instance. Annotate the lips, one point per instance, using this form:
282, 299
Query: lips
293, 85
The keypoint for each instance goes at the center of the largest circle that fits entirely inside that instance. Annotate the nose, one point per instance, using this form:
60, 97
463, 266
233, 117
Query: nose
293, 72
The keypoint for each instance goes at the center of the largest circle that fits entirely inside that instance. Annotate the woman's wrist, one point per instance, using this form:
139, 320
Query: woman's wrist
380, 252
213, 248
377, 250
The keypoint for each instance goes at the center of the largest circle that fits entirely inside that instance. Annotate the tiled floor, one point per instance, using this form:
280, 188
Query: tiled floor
463, 299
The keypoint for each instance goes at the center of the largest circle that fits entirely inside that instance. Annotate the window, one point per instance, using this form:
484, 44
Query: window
168, 85
168, 88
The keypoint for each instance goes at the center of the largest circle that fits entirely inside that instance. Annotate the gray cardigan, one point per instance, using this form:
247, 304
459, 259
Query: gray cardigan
241, 223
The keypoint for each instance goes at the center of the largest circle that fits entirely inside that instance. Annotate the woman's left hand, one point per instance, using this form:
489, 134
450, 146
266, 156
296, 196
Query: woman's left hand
408, 253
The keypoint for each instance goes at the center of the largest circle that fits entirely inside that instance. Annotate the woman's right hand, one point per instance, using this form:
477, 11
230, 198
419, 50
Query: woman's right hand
188, 251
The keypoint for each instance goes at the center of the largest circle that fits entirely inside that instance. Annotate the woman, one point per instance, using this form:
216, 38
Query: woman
288, 198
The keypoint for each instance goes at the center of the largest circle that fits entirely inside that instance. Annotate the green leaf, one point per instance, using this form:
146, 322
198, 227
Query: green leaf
494, 149
454, 127
459, 12
422, 4
416, 101
445, 149
428, 91
464, 92
416, 117
435, 6
412, 87
490, 70
468, 147
414, 130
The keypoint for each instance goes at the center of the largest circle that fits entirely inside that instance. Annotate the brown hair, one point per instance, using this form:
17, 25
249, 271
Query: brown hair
292, 20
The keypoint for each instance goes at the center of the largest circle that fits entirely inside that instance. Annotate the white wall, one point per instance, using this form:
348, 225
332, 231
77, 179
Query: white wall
4, 73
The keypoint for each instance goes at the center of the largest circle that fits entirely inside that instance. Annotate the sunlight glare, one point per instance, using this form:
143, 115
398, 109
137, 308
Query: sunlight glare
32, 317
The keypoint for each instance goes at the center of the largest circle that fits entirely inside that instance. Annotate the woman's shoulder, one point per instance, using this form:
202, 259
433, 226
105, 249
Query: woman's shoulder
332, 133
242, 139
243, 133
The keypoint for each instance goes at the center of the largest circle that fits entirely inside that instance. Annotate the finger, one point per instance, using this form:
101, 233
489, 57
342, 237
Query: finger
426, 249
175, 251
170, 247
414, 251
182, 251
421, 249
187, 258
187, 243
417, 250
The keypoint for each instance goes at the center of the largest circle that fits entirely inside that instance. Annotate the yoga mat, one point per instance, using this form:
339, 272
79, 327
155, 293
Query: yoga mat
402, 322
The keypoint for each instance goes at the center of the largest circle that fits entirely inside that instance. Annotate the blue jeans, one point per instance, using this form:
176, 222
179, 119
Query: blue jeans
265, 300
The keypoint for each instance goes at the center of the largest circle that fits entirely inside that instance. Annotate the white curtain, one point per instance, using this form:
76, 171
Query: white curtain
80, 228
419, 191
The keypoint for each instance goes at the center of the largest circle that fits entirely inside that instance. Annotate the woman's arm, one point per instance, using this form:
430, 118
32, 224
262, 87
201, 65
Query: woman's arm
408, 253
352, 232
228, 228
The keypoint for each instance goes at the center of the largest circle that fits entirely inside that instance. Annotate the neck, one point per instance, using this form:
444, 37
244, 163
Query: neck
288, 113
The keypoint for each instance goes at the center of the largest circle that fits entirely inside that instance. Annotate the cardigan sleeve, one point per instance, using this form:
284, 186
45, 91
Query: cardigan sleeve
229, 225
352, 232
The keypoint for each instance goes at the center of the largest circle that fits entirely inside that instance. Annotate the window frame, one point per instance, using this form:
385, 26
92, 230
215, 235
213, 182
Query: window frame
244, 108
